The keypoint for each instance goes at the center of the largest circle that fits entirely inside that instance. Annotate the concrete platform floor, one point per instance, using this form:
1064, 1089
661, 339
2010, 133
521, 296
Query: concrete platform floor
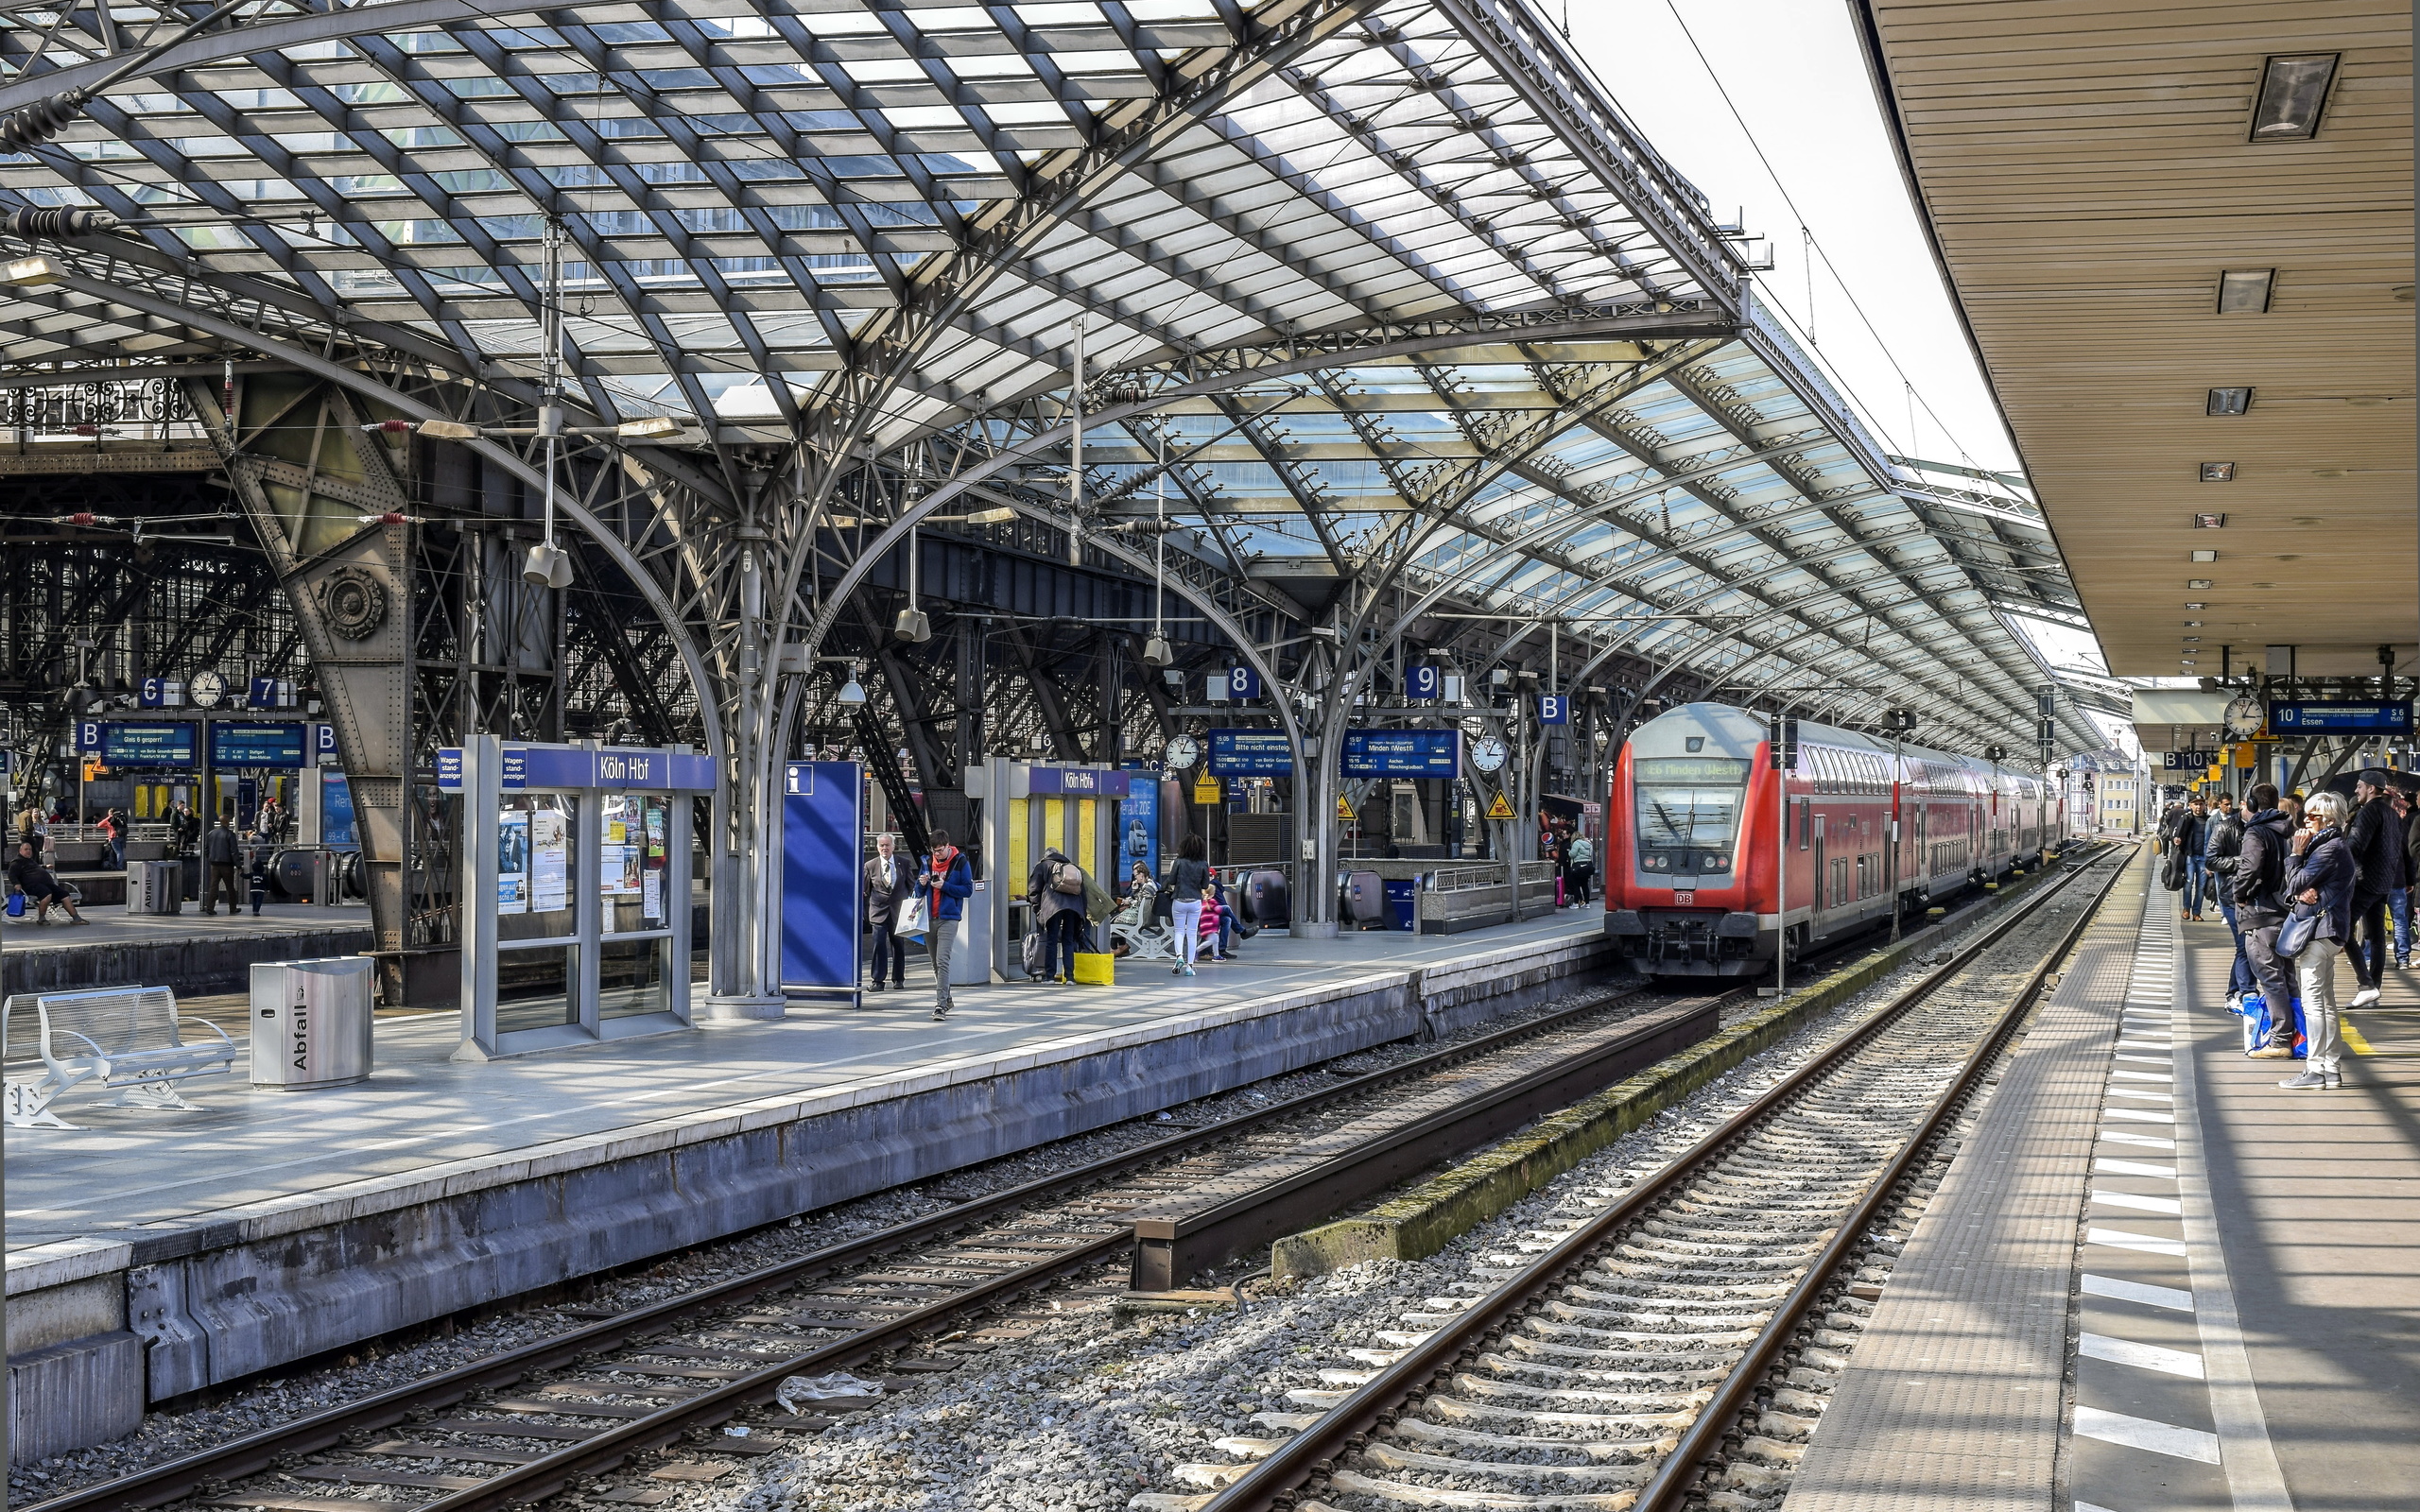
125, 1167
113, 926
2236, 1266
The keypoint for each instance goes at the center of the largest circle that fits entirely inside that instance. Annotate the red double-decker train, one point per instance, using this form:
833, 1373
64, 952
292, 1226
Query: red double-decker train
1712, 859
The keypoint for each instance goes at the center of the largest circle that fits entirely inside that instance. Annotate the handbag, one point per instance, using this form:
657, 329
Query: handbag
2295, 937
915, 915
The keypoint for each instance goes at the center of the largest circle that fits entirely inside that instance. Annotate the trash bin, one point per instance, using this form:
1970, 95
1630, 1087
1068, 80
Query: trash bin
155, 888
311, 1022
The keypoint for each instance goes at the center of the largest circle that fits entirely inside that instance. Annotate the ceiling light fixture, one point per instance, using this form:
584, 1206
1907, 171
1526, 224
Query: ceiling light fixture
2209, 522
2197, 607
2205, 556
2227, 402
2293, 92
2246, 291
28, 273
2217, 471
2197, 582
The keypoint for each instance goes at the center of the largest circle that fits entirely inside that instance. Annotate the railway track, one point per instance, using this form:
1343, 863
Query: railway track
671, 1381
527, 1423
1604, 1367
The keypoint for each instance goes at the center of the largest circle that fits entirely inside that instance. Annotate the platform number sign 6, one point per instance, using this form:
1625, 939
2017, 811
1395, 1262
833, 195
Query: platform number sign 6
1420, 682
1553, 709
1243, 683
151, 696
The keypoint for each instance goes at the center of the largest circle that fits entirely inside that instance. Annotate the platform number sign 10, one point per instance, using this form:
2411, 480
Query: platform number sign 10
1554, 708
1422, 682
1243, 684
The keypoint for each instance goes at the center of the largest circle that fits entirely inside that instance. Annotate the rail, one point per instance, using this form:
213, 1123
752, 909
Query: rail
257, 1453
1344, 1428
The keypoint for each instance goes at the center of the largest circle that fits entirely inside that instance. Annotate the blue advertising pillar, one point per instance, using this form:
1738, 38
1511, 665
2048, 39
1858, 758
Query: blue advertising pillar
822, 897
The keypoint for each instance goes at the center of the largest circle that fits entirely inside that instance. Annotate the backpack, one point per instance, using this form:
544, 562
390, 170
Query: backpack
1068, 878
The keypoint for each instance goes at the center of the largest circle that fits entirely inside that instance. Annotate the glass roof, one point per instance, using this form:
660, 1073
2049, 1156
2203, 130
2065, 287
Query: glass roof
753, 194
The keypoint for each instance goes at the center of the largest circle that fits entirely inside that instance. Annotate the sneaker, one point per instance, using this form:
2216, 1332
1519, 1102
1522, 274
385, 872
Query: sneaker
2272, 1053
2335, 1079
2365, 997
1188, 970
938, 1014
2307, 1081
1178, 970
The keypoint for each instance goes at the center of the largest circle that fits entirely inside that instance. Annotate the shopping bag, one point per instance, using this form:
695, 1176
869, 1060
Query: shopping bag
1094, 969
914, 915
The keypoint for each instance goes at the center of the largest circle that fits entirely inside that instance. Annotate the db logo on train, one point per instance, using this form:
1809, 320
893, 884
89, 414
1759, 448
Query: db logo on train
1683, 897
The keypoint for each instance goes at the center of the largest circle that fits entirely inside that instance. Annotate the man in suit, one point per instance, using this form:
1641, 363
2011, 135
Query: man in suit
888, 879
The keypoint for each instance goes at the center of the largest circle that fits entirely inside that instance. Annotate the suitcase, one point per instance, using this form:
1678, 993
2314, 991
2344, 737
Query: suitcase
1030, 955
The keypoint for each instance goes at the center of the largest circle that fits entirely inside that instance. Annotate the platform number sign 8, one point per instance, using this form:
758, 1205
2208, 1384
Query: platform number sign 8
1420, 682
1243, 683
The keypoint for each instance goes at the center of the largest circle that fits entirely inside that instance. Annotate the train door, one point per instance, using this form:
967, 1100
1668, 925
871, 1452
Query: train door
1824, 898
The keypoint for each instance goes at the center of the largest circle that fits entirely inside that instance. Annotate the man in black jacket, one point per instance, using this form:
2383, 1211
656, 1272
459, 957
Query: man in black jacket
2374, 838
2264, 854
42, 887
890, 880
220, 853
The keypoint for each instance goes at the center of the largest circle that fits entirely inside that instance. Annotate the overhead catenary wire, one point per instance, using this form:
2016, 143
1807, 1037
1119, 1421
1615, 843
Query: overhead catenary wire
1815, 249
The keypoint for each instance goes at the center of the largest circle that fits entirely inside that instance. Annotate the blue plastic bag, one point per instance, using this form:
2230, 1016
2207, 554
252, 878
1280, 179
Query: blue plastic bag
2257, 1024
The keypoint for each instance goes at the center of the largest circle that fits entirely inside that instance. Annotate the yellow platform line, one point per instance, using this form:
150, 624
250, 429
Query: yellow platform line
2353, 1036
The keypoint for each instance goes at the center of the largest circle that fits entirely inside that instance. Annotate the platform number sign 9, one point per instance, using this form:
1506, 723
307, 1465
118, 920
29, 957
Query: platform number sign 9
1553, 709
1420, 682
1243, 684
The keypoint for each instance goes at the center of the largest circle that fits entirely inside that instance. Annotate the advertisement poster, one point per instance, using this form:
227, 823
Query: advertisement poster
620, 854
513, 862
336, 809
549, 861
652, 883
1138, 832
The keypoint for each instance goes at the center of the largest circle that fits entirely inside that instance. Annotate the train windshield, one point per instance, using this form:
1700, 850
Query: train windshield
1688, 811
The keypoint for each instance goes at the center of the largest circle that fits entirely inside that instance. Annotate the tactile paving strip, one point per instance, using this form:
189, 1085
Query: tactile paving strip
1952, 1398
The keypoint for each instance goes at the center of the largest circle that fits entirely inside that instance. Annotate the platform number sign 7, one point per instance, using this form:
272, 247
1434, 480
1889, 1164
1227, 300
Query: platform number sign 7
1243, 683
1420, 682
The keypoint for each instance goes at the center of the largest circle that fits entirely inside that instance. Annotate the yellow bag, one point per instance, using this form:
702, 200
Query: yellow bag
1094, 969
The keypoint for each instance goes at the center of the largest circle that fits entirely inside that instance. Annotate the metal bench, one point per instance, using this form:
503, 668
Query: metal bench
1146, 937
131, 1037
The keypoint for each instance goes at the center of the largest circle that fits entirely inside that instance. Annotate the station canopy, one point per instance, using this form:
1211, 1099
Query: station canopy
1410, 308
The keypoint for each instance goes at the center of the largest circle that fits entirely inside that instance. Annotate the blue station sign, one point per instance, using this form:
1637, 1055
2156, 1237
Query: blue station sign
2339, 716
167, 745
235, 743
1250, 753
1401, 753
1075, 781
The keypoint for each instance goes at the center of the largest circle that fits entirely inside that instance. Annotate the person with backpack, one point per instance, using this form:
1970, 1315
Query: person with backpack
114, 830
1056, 890
1189, 880
1583, 868
949, 881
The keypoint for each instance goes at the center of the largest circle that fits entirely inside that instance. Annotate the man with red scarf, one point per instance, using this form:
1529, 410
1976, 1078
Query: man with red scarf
949, 883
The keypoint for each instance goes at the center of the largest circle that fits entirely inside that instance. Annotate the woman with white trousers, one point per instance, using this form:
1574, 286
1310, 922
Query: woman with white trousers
1189, 880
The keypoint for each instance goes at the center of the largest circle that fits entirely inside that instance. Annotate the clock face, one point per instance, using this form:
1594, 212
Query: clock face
1487, 753
1182, 753
2245, 716
206, 687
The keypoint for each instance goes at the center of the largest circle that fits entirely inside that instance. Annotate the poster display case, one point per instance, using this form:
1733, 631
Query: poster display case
575, 924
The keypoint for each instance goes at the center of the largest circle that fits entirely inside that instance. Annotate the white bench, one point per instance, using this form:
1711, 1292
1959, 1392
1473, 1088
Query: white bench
131, 1037
1146, 937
